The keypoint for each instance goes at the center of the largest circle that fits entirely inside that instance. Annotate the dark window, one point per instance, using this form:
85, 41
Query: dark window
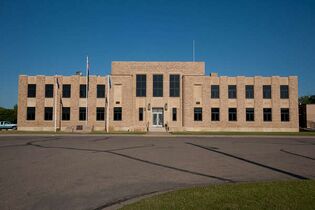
140, 114
267, 91
141, 85
174, 85
117, 113
250, 114
82, 113
215, 114
215, 91
100, 113
157, 85
31, 91
82, 91
174, 114
232, 91
100, 92
30, 115
48, 113
284, 91
66, 113
49, 90
267, 114
232, 114
66, 91
249, 91
198, 114
285, 115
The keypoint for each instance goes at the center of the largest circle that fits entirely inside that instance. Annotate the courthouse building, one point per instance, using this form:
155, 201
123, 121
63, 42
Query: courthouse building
158, 96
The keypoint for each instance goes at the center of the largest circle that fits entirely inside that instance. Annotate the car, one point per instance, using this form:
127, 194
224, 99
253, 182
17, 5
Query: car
7, 125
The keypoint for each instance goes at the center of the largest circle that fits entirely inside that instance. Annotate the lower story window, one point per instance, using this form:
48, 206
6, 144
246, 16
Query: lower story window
267, 114
48, 113
82, 113
215, 114
100, 113
66, 113
140, 114
285, 115
117, 113
232, 114
30, 113
174, 114
198, 114
250, 114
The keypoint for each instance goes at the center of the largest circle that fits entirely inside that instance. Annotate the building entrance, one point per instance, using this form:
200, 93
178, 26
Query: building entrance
157, 117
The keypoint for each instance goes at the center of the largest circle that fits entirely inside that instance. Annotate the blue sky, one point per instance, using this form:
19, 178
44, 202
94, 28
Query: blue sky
243, 37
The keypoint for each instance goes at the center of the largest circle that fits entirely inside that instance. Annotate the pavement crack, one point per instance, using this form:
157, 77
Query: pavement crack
296, 154
250, 161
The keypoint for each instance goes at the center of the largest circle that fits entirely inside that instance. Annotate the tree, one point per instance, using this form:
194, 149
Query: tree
8, 114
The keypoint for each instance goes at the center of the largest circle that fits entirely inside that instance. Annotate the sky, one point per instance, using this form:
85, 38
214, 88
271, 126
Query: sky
243, 37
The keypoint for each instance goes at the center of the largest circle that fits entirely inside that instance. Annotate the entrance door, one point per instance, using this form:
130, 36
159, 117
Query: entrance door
157, 117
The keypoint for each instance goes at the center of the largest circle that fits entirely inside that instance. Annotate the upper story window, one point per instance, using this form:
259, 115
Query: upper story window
158, 85
100, 91
49, 90
174, 85
31, 90
232, 91
249, 91
215, 91
66, 91
267, 91
141, 85
284, 91
82, 91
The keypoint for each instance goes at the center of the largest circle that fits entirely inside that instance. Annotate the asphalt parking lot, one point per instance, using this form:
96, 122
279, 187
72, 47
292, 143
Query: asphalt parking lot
96, 172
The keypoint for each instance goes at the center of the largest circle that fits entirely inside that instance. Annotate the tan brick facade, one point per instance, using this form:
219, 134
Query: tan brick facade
194, 91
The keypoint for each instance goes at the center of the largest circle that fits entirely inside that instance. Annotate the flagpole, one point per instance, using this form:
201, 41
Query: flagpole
55, 109
193, 50
107, 108
86, 90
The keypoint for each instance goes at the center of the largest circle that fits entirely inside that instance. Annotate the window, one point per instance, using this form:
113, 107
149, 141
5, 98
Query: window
30, 115
267, 115
141, 85
232, 114
49, 90
100, 91
100, 113
284, 91
249, 91
174, 85
31, 90
250, 114
48, 113
267, 91
157, 85
198, 114
215, 91
82, 91
215, 114
232, 91
140, 114
66, 113
117, 113
285, 115
174, 114
82, 113
66, 91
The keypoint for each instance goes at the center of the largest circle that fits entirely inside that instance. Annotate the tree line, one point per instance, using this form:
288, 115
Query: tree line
8, 114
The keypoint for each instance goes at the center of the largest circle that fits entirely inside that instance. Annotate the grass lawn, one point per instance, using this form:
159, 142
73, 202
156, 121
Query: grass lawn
301, 133
63, 132
284, 195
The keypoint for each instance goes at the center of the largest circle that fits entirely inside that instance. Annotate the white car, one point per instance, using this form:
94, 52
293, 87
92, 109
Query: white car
7, 125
